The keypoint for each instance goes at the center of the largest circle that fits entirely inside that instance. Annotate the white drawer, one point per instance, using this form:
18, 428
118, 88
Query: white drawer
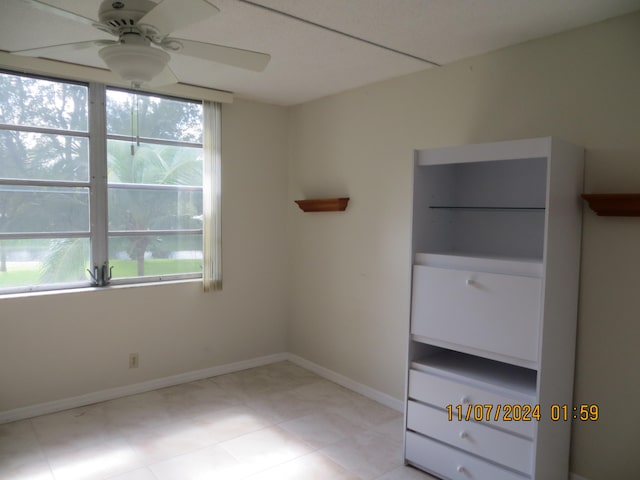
487, 311
440, 392
451, 463
500, 447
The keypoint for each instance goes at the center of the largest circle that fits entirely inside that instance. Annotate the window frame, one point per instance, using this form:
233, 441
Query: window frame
152, 187
98, 187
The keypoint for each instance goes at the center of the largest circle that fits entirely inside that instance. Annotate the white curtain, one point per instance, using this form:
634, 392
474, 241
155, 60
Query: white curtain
212, 238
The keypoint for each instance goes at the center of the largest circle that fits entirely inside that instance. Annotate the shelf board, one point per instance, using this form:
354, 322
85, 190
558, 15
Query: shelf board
530, 267
614, 204
323, 204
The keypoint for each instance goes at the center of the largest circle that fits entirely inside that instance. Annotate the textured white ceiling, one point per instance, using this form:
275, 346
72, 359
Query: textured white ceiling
309, 62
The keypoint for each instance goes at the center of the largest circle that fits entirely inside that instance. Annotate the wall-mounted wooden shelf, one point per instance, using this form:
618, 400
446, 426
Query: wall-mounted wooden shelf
614, 204
323, 204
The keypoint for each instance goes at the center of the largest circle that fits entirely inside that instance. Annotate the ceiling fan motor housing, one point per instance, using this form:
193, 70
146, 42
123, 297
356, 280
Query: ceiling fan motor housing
123, 13
137, 64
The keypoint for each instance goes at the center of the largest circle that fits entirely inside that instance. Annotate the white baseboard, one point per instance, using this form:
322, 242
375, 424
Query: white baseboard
117, 392
346, 382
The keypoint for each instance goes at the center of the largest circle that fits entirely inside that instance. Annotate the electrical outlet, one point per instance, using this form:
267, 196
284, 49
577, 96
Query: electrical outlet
133, 360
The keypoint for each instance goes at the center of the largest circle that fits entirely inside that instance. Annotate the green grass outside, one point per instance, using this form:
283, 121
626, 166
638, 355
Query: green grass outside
28, 273
154, 267
18, 276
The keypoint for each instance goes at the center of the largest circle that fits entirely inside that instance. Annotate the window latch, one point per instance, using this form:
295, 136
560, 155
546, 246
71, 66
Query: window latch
101, 276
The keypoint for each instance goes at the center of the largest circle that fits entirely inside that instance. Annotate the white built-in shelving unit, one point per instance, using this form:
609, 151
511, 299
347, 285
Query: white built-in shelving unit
496, 253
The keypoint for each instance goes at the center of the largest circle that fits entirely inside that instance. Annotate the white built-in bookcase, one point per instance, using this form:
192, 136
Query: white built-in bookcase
496, 254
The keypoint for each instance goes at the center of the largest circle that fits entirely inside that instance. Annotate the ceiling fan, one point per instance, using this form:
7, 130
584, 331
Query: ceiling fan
142, 27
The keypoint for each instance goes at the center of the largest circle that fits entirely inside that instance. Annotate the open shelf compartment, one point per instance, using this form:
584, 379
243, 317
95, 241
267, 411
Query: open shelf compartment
479, 371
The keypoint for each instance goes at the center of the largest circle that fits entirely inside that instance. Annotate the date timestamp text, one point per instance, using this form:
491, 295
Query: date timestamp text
514, 412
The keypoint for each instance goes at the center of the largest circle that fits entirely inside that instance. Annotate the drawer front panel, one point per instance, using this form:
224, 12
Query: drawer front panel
473, 437
441, 392
486, 311
451, 463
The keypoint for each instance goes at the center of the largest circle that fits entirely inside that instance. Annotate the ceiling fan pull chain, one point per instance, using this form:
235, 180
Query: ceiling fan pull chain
137, 120
133, 148
135, 125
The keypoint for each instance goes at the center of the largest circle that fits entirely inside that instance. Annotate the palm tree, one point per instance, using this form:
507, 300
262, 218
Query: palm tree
65, 261
140, 197
137, 209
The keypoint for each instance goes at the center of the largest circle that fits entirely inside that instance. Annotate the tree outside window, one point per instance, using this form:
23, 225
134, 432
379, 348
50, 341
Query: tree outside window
153, 190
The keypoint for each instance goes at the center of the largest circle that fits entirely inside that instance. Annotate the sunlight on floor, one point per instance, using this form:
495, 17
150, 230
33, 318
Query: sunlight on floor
98, 464
277, 422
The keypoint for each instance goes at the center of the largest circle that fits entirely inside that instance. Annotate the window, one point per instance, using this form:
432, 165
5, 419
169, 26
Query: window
101, 185
154, 185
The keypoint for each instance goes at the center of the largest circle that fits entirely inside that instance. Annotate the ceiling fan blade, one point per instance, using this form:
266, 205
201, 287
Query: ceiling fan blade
166, 77
236, 57
172, 15
63, 48
60, 12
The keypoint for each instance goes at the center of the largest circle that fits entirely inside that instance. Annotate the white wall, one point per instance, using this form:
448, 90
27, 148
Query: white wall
62, 345
350, 272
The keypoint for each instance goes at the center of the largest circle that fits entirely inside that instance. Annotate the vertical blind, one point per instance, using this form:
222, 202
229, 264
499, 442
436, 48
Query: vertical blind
212, 248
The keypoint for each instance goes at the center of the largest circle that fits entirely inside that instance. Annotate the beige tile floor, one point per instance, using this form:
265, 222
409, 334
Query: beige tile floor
273, 422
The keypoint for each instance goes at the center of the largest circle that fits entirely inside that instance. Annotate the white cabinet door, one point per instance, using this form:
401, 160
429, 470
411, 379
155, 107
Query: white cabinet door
487, 311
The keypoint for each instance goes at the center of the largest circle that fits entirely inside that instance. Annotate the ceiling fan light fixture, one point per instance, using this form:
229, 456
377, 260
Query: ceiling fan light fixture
137, 64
